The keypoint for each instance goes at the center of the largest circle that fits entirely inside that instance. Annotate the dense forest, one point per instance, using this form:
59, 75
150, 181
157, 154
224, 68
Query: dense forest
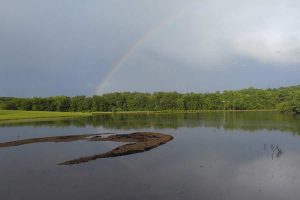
285, 99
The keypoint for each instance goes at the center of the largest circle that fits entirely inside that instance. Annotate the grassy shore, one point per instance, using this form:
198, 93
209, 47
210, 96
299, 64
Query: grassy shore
6, 115
17, 114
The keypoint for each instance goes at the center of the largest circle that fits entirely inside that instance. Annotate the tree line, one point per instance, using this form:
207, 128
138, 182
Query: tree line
286, 99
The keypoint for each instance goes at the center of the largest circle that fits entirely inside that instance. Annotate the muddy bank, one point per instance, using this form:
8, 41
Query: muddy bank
138, 142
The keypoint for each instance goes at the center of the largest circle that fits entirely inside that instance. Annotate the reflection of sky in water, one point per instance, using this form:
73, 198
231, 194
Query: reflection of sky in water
236, 166
202, 162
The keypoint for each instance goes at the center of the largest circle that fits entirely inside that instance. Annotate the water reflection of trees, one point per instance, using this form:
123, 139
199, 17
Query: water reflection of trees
250, 121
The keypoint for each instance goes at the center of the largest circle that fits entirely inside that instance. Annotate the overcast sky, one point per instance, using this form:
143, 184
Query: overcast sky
73, 47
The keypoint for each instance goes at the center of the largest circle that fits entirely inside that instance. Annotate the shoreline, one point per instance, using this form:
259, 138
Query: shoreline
18, 115
179, 111
11, 115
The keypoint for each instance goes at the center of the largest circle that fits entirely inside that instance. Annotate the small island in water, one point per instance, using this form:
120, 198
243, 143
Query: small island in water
136, 143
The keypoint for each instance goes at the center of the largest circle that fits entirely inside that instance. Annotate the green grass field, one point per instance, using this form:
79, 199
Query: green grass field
17, 114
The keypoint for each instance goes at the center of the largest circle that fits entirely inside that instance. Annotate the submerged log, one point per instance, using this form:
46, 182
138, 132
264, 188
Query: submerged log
138, 142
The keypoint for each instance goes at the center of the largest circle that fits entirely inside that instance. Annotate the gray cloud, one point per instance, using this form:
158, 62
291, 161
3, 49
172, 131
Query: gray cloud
68, 47
220, 45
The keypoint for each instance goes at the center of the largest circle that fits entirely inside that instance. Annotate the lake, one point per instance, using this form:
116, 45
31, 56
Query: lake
214, 155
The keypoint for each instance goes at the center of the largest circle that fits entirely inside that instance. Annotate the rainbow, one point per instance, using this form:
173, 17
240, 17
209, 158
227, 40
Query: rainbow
117, 65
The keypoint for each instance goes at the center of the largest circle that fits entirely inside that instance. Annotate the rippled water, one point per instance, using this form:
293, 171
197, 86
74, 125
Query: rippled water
214, 155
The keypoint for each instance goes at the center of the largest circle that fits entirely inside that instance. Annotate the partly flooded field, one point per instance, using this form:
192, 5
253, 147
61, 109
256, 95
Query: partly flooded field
214, 155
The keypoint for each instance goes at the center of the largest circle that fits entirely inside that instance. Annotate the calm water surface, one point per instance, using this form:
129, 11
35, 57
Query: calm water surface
213, 155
